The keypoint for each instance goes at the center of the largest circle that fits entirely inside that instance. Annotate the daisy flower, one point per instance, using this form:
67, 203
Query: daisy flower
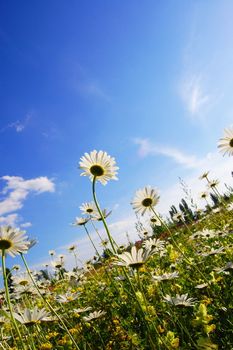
88, 208
99, 165
80, 221
177, 217
94, 315
135, 259
166, 276
204, 175
52, 252
213, 183
105, 214
180, 300
225, 144
154, 221
30, 317
154, 244
21, 280
203, 195
72, 248
145, 199
13, 241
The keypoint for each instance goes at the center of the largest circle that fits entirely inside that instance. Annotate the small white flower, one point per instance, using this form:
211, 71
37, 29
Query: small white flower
213, 184
135, 259
80, 221
13, 241
214, 252
201, 286
154, 244
99, 165
145, 199
81, 310
230, 207
67, 297
154, 221
204, 175
166, 276
177, 217
52, 252
225, 144
30, 317
88, 208
227, 267
180, 300
94, 315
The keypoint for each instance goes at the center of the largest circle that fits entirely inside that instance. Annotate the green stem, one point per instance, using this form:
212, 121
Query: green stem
8, 298
176, 245
102, 217
47, 303
93, 244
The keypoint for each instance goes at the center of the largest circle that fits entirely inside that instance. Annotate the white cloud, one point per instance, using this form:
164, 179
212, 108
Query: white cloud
18, 125
86, 251
26, 224
17, 190
219, 167
8, 219
147, 148
192, 93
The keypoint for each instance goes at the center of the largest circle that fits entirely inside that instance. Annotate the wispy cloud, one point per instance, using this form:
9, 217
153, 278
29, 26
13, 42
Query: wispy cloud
18, 125
92, 88
192, 93
84, 83
147, 148
15, 192
219, 168
118, 229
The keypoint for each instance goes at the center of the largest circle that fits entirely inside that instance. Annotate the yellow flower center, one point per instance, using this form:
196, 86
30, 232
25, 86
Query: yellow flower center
96, 170
231, 143
5, 244
147, 202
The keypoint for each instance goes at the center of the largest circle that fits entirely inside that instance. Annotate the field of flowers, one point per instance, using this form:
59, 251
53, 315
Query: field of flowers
172, 289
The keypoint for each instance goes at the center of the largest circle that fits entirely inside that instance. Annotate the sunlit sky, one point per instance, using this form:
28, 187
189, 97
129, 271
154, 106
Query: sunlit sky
150, 82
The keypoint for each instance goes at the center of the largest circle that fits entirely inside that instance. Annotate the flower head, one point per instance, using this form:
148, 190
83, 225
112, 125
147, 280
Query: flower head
204, 175
145, 199
213, 183
80, 221
203, 195
154, 221
30, 317
225, 144
179, 300
52, 252
94, 315
166, 276
105, 214
72, 248
13, 241
88, 208
99, 165
135, 259
177, 217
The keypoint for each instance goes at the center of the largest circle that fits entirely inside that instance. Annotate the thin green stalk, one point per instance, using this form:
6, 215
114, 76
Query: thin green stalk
102, 217
176, 245
146, 304
93, 225
8, 298
93, 244
48, 304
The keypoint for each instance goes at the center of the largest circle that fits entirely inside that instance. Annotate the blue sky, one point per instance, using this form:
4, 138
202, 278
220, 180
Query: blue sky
149, 82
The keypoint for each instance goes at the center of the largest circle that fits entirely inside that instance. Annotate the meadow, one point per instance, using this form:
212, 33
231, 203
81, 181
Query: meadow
171, 289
